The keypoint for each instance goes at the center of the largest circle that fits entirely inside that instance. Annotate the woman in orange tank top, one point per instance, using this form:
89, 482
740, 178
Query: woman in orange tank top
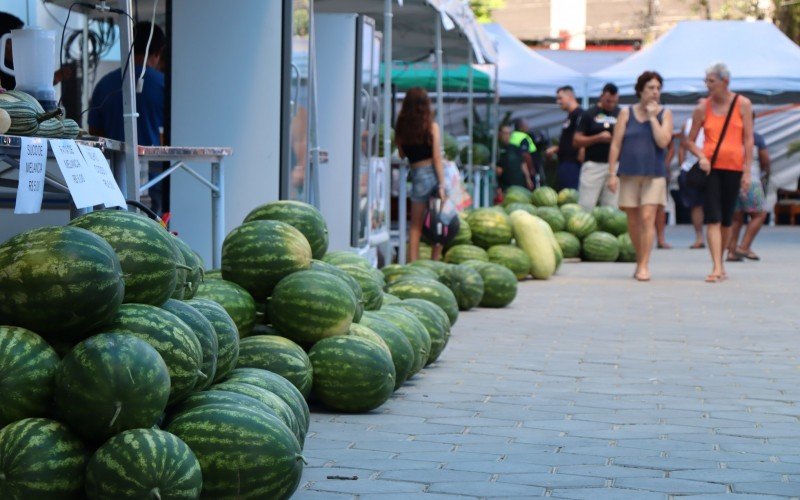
727, 176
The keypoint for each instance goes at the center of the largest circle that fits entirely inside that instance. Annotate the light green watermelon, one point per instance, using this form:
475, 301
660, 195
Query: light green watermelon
567, 195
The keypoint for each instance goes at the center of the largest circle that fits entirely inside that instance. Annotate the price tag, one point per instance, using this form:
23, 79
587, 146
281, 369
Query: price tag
32, 165
85, 187
97, 162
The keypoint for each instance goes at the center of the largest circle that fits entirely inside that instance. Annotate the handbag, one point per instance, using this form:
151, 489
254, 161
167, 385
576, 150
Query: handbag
696, 178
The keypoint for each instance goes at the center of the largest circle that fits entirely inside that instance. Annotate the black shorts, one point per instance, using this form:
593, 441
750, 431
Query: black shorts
722, 191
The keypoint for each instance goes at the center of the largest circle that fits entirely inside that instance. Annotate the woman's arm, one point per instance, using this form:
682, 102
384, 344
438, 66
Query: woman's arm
437, 158
615, 148
662, 131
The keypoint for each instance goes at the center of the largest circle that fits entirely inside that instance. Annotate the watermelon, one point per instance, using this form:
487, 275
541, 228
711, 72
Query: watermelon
370, 279
41, 459
195, 263
280, 407
310, 305
143, 463
616, 223
436, 266
463, 236
110, 383
59, 280
213, 274
182, 273
516, 194
318, 265
581, 224
206, 335
425, 250
499, 288
435, 321
570, 209
521, 206
569, 243
489, 227
302, 216
227, 335
243, 453
258, 254
531, 234
172, 338
544, 196
600, 247
340, 257
351, 374
400, 347
414, 331
602, 213
239, 304
367, 333
466, 284
393, 272
278, 355
428, 289
460, 253
145, 250
567, 195
553, 216
277, 385
27, 367
512, 257
215, 397
481, 155
627, 252
389, 299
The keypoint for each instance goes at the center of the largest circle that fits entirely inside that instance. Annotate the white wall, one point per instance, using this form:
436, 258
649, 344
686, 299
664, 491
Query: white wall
226, 92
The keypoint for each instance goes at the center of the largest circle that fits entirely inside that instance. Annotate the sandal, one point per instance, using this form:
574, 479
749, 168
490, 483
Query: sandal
734, 257
664, 246
697, 246
747, 255
713, 278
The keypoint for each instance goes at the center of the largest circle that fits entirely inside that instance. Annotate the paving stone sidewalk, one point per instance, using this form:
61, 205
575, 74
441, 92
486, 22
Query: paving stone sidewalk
595, 386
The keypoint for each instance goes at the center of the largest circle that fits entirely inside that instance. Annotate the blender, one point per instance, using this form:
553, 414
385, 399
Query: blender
34, 63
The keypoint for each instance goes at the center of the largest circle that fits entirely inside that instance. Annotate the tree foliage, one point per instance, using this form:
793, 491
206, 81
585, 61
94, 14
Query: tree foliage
483, 8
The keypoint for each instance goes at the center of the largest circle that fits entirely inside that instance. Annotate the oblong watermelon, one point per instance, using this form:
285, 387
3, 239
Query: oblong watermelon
371, 281
227, 335
616, 223
400, 347
463, 236
234, 299
466, 284
278, 355
460, 253
277, 385
570, 209
435, 321
428, 289
206, 335
511, 257
302, 216
181, 272
600, 247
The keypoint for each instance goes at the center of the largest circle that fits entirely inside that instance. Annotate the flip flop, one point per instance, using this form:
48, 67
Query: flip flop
713, 278
697, 246
747, 255
734, 257
664, 246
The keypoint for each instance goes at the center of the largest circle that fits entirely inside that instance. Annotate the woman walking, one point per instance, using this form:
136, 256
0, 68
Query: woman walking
418, 139
727, 123
641, 136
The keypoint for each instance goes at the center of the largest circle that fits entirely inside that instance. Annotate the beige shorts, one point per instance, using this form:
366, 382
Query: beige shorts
638, 190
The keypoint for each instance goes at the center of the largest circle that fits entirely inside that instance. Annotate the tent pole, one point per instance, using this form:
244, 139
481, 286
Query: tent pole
439, 82
585, 100
387, 127
470, 116
495, 127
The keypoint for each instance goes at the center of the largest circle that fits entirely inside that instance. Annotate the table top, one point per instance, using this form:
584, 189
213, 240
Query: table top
11, 142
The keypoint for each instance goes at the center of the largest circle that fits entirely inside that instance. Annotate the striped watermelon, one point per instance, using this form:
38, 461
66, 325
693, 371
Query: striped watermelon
520, 206
570, 209
544, 196
370, 279
351, 374
145, 250
171, 337
581, 224
40, 459
435, 321
393, 272
425, 250
213, 274
204, 331
243, 453
616, 223
278, 355
227, 335
516, 194
277, 385
600, 247
500, 284
216, 397
602, 213
143, 463
414, 331
489, 227
27, 368
272, 400
569, 243
463, 236
627, 252
436, 266
339, 257
310, 305
389, 299
302, 216
258, 254
239, 304
553, 216
59, 280
428, 289
400, 347
196, 266
460, 253
318, 265
567, 195
466, 284
182, 284
512, 257
357, 330
110, 383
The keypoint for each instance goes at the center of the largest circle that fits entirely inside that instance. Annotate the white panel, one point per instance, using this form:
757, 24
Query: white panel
569, 16
226, 92
336, 70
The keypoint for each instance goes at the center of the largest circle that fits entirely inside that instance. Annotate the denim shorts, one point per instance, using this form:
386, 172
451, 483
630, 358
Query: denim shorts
424, 183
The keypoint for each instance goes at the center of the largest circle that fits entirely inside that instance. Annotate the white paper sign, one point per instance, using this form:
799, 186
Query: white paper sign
32, 165
84, 186
97, 162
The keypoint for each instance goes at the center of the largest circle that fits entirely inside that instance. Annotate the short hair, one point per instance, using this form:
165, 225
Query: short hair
141, 34
610, 88
720, 69
9, 22
519, 123
566, 88
644, 78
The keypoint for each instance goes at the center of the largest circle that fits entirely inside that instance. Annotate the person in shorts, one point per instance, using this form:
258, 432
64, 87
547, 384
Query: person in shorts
641, 136
752, 204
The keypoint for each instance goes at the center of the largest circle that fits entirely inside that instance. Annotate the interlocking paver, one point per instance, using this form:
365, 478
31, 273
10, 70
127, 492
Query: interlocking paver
606, 494
486, 489
790, 489
670, 485
552, 480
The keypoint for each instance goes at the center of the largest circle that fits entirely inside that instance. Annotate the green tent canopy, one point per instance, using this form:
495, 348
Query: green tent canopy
423, 74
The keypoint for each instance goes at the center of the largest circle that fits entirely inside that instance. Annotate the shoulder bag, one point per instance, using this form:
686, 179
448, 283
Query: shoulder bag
696, 177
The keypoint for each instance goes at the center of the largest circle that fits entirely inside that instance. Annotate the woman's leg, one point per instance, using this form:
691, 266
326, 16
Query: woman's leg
634, 229
436, 252
647, 236
714, 235
415, 230
661, 224
712, 211
697, 222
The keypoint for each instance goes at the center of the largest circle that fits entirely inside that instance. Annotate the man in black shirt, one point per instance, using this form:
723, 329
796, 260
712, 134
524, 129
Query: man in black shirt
569, 161
594, 130
512, 162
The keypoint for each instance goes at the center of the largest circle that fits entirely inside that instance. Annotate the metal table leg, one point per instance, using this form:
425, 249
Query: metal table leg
217, 213
402, 226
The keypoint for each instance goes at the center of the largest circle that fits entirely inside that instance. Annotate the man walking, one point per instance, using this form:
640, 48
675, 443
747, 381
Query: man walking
752, 203
593, 132
569, 157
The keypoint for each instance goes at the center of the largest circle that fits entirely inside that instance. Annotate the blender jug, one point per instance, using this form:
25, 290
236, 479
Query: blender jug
34, 62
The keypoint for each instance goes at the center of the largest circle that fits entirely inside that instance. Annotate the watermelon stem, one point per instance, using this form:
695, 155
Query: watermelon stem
155, 494
184, 267
201, 374
117, 411
301, 457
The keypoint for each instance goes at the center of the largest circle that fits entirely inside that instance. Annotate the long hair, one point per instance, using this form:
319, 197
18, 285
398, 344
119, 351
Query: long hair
415, 119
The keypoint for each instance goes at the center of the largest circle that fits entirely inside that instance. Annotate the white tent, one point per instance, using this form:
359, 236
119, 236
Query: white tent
526, 74
764, 63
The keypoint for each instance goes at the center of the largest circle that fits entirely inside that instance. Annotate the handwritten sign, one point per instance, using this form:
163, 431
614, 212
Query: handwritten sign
84, 186
99, 165
32, 167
